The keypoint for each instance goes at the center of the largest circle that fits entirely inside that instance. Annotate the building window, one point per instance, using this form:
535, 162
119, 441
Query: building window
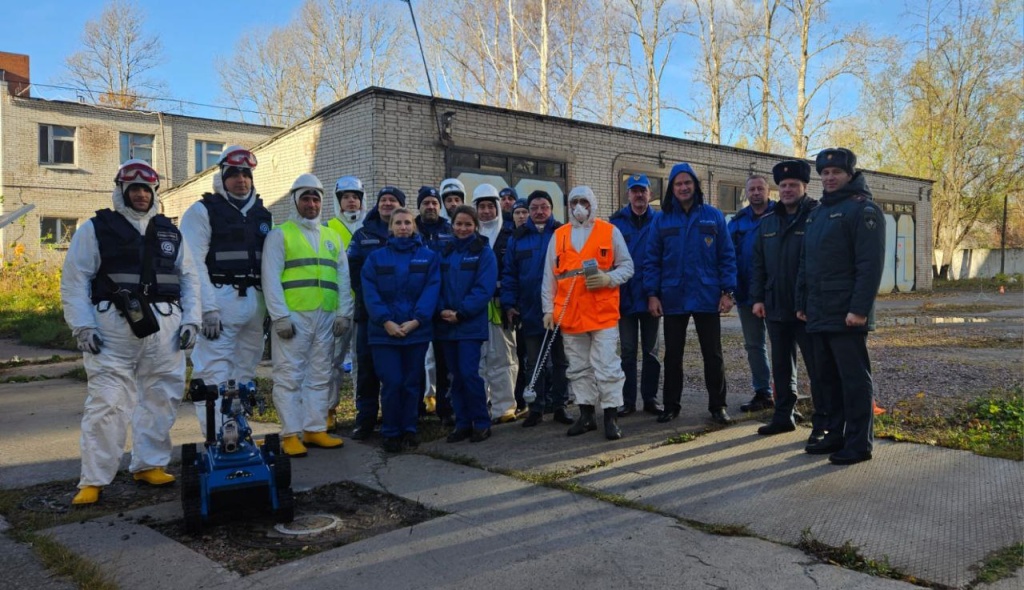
57, 231
730, 197
138, 146
207, 154
56, 144
525, 174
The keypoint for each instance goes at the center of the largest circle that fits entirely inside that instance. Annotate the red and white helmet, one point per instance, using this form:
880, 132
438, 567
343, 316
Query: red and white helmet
137, 171
236, 156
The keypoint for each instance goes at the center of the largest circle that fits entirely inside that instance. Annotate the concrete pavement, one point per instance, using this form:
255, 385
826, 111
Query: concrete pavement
932, 513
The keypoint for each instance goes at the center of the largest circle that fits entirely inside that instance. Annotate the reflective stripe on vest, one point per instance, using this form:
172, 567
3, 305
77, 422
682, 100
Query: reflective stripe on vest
309, 279
588, 310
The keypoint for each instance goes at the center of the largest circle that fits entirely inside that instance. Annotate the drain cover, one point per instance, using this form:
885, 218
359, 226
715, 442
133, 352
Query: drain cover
308, 524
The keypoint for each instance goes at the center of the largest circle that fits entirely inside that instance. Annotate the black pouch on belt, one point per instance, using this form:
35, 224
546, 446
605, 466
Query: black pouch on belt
137, 311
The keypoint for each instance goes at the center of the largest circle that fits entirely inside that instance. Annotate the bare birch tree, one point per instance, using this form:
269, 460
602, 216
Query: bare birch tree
655, 25
720, 44
117, 58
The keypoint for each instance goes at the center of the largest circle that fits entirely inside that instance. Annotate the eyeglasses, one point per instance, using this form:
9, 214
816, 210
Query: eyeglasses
134, 172
239, 158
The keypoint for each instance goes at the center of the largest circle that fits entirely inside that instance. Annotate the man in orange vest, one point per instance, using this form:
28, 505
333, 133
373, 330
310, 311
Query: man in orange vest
587, 260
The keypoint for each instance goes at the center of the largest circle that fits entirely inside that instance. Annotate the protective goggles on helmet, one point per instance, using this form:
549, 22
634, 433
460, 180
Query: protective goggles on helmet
239, 159
137, 173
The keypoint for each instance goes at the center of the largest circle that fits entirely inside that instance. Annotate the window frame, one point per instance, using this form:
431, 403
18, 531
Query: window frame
131, 147
62, 229
201, 152
51, 139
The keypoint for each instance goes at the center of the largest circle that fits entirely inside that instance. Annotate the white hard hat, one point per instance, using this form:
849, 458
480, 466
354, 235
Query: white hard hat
137, 171
309, 182
452, 185
236, 156
483, 192
349, 184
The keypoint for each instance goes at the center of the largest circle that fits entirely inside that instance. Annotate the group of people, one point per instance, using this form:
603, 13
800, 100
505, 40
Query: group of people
492, 308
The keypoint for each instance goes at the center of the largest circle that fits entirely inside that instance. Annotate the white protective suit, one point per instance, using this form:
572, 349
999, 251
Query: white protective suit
239, 348
141, 381
302, 364
345, 345
595, 368
499, 365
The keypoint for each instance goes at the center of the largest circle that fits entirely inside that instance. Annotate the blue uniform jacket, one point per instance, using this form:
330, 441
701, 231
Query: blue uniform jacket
401, 282
842, 259
524, 273
469, 271
690, 259
435, 235
743, 231
372, 236
635, 230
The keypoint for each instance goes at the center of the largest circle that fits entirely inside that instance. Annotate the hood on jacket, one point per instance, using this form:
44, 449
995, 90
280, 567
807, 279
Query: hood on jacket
585, 193
303, 184
669, 203
218, 188
354, 185
118, 198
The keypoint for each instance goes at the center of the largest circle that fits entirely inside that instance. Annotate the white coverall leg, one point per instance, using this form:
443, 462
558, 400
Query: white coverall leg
238, 350
136, 381
595, 369
499, 368
302, 373
343, 347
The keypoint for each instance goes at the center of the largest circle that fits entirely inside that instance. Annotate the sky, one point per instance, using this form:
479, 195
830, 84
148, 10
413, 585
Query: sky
195, 33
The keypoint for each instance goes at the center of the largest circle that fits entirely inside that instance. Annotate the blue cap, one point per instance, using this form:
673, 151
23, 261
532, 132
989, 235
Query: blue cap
638, 180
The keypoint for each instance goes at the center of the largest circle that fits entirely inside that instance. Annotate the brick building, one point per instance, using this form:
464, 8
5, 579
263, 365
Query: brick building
397, 138
62, 157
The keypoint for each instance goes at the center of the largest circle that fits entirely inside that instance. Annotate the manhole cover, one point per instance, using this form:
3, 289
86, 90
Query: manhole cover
308, 524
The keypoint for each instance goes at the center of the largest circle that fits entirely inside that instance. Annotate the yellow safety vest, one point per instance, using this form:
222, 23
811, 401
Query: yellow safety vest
342, 230
310, 278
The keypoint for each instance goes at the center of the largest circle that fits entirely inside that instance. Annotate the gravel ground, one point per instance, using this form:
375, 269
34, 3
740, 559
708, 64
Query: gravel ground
911, 354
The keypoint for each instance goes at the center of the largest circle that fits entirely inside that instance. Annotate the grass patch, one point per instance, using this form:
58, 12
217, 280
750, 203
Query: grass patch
947, 336
999, 564
30, 308
848, 556
76, 373
61, 560
1011, 283
681, 438
991, 425
936, 307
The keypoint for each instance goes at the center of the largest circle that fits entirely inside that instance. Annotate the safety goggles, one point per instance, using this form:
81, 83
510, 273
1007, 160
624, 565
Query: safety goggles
137, 173
240, 159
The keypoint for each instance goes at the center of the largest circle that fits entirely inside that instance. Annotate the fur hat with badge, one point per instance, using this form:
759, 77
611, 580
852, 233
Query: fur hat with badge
841, 158
795, 169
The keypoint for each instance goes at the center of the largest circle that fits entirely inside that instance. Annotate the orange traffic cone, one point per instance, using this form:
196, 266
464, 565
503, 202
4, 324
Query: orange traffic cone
1002, 289
876, 408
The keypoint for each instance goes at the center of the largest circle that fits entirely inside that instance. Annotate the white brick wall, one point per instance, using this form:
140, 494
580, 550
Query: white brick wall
388, 137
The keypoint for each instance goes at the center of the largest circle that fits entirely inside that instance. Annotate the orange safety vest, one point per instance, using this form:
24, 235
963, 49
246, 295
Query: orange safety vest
588, 310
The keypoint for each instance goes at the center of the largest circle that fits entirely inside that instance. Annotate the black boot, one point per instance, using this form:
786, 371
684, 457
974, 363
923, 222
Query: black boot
585, 423
611, 429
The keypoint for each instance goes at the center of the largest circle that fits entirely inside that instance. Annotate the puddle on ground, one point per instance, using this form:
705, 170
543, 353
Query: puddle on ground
928, 320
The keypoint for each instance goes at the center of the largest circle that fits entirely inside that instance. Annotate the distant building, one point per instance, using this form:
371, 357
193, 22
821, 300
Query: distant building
62, 157
387, 137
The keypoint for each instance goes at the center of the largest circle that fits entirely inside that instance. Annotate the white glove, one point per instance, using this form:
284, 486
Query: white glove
341, 324
284, 328
89, 340
188, 336
598, 280
549, 321
212, 325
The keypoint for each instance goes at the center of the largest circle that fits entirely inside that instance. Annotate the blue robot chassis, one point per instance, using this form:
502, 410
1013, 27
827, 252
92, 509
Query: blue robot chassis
233, 476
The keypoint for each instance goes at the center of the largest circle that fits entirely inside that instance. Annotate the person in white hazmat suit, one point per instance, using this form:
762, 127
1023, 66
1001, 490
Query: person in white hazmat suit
499, 365
307, 290
225, 231
351, 211
587, 260
118, 263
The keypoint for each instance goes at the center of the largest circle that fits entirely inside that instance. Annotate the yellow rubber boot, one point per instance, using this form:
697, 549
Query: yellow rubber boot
332, 419
322, 440
293, 447
431, 403
154, 477
87, 495
509, 416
